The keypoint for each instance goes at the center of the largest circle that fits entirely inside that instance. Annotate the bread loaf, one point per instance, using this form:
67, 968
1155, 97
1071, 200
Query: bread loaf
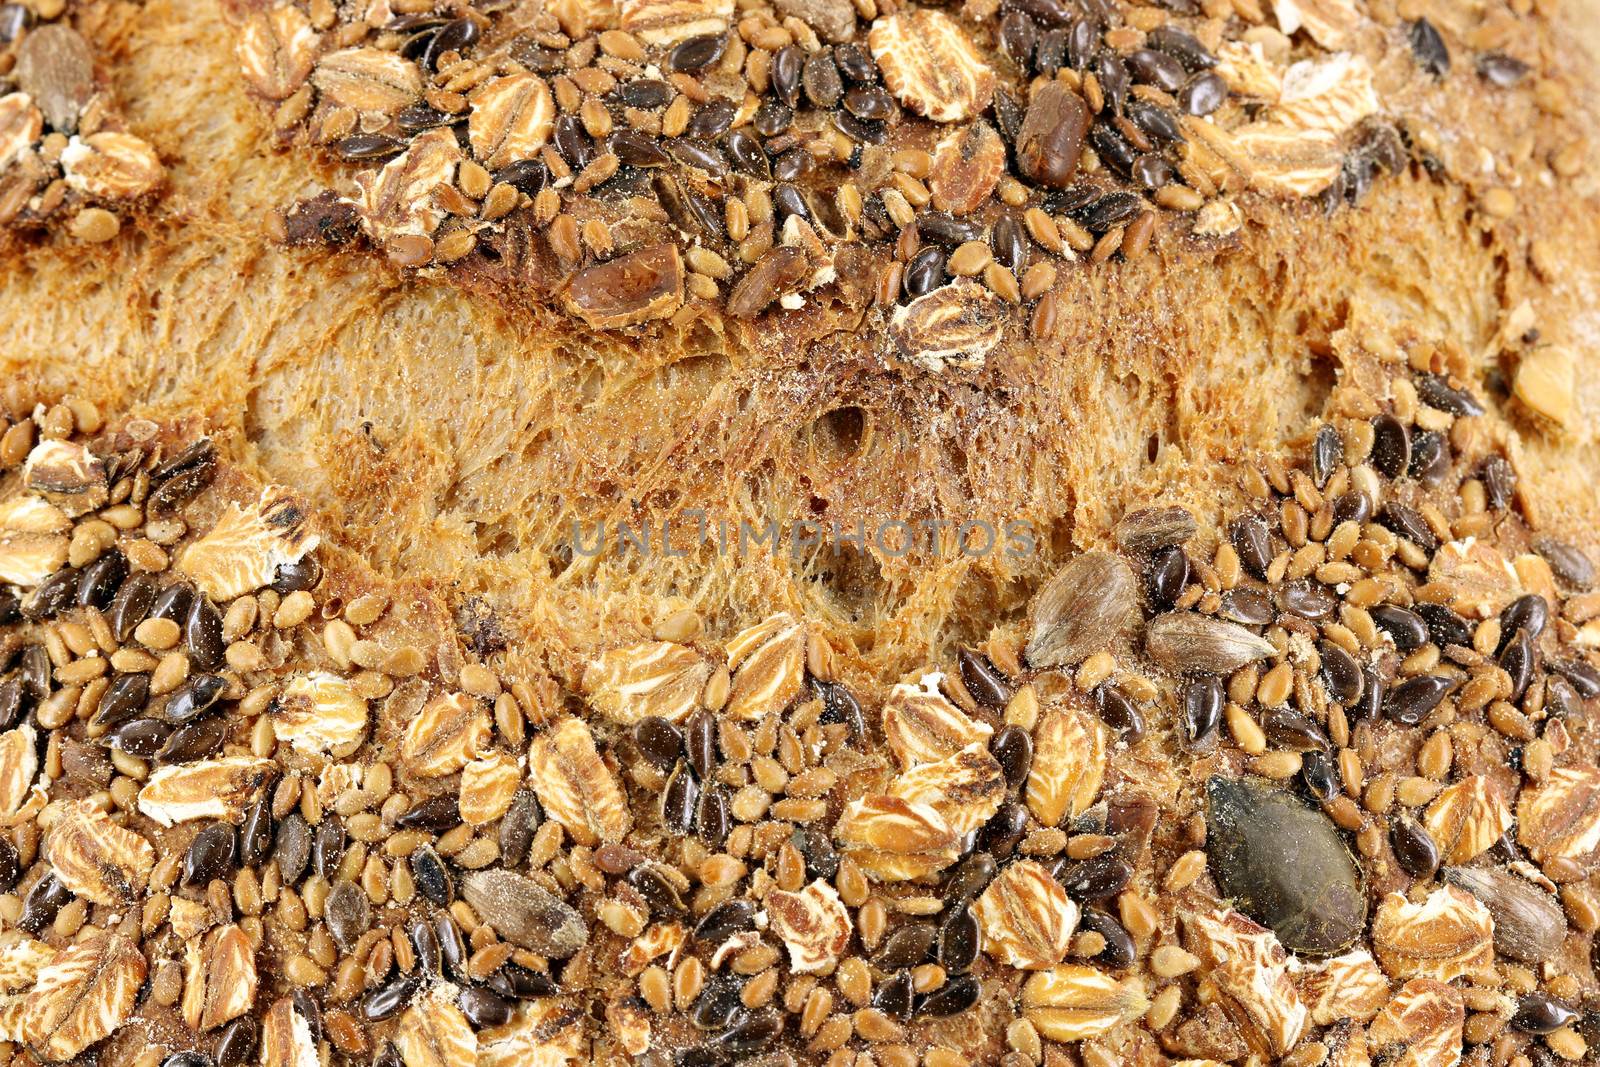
812, 532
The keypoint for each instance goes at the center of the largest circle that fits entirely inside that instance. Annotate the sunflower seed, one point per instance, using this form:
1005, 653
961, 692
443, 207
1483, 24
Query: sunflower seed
55, 67
1081, 610
1528, 923
1570, 563
1187, 641
523, 912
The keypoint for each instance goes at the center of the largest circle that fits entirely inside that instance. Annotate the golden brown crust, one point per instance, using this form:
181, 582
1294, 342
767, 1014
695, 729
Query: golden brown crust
445, 431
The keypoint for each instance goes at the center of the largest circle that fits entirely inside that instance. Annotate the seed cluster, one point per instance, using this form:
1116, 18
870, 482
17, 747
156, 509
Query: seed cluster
663, 153
66, 158
250, 821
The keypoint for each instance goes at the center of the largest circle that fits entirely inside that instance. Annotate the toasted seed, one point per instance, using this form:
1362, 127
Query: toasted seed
1538, 1013
1013, 748
1429, 49
1569, 563
1316, 905
1202, 707
1188, 641
210, 855
1080, 610
157, 633
1250, 539
1414, 848
1528, 923
1410, 702
1050, 138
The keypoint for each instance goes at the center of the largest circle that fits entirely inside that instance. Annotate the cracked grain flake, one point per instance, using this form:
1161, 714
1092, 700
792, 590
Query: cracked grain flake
930, 64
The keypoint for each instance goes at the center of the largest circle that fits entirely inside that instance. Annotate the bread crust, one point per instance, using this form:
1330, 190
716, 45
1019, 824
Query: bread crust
1211, 349
450, 430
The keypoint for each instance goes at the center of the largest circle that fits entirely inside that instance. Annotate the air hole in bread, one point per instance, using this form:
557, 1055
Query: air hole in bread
840, 434
1320, 378
853, 583
497, 539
